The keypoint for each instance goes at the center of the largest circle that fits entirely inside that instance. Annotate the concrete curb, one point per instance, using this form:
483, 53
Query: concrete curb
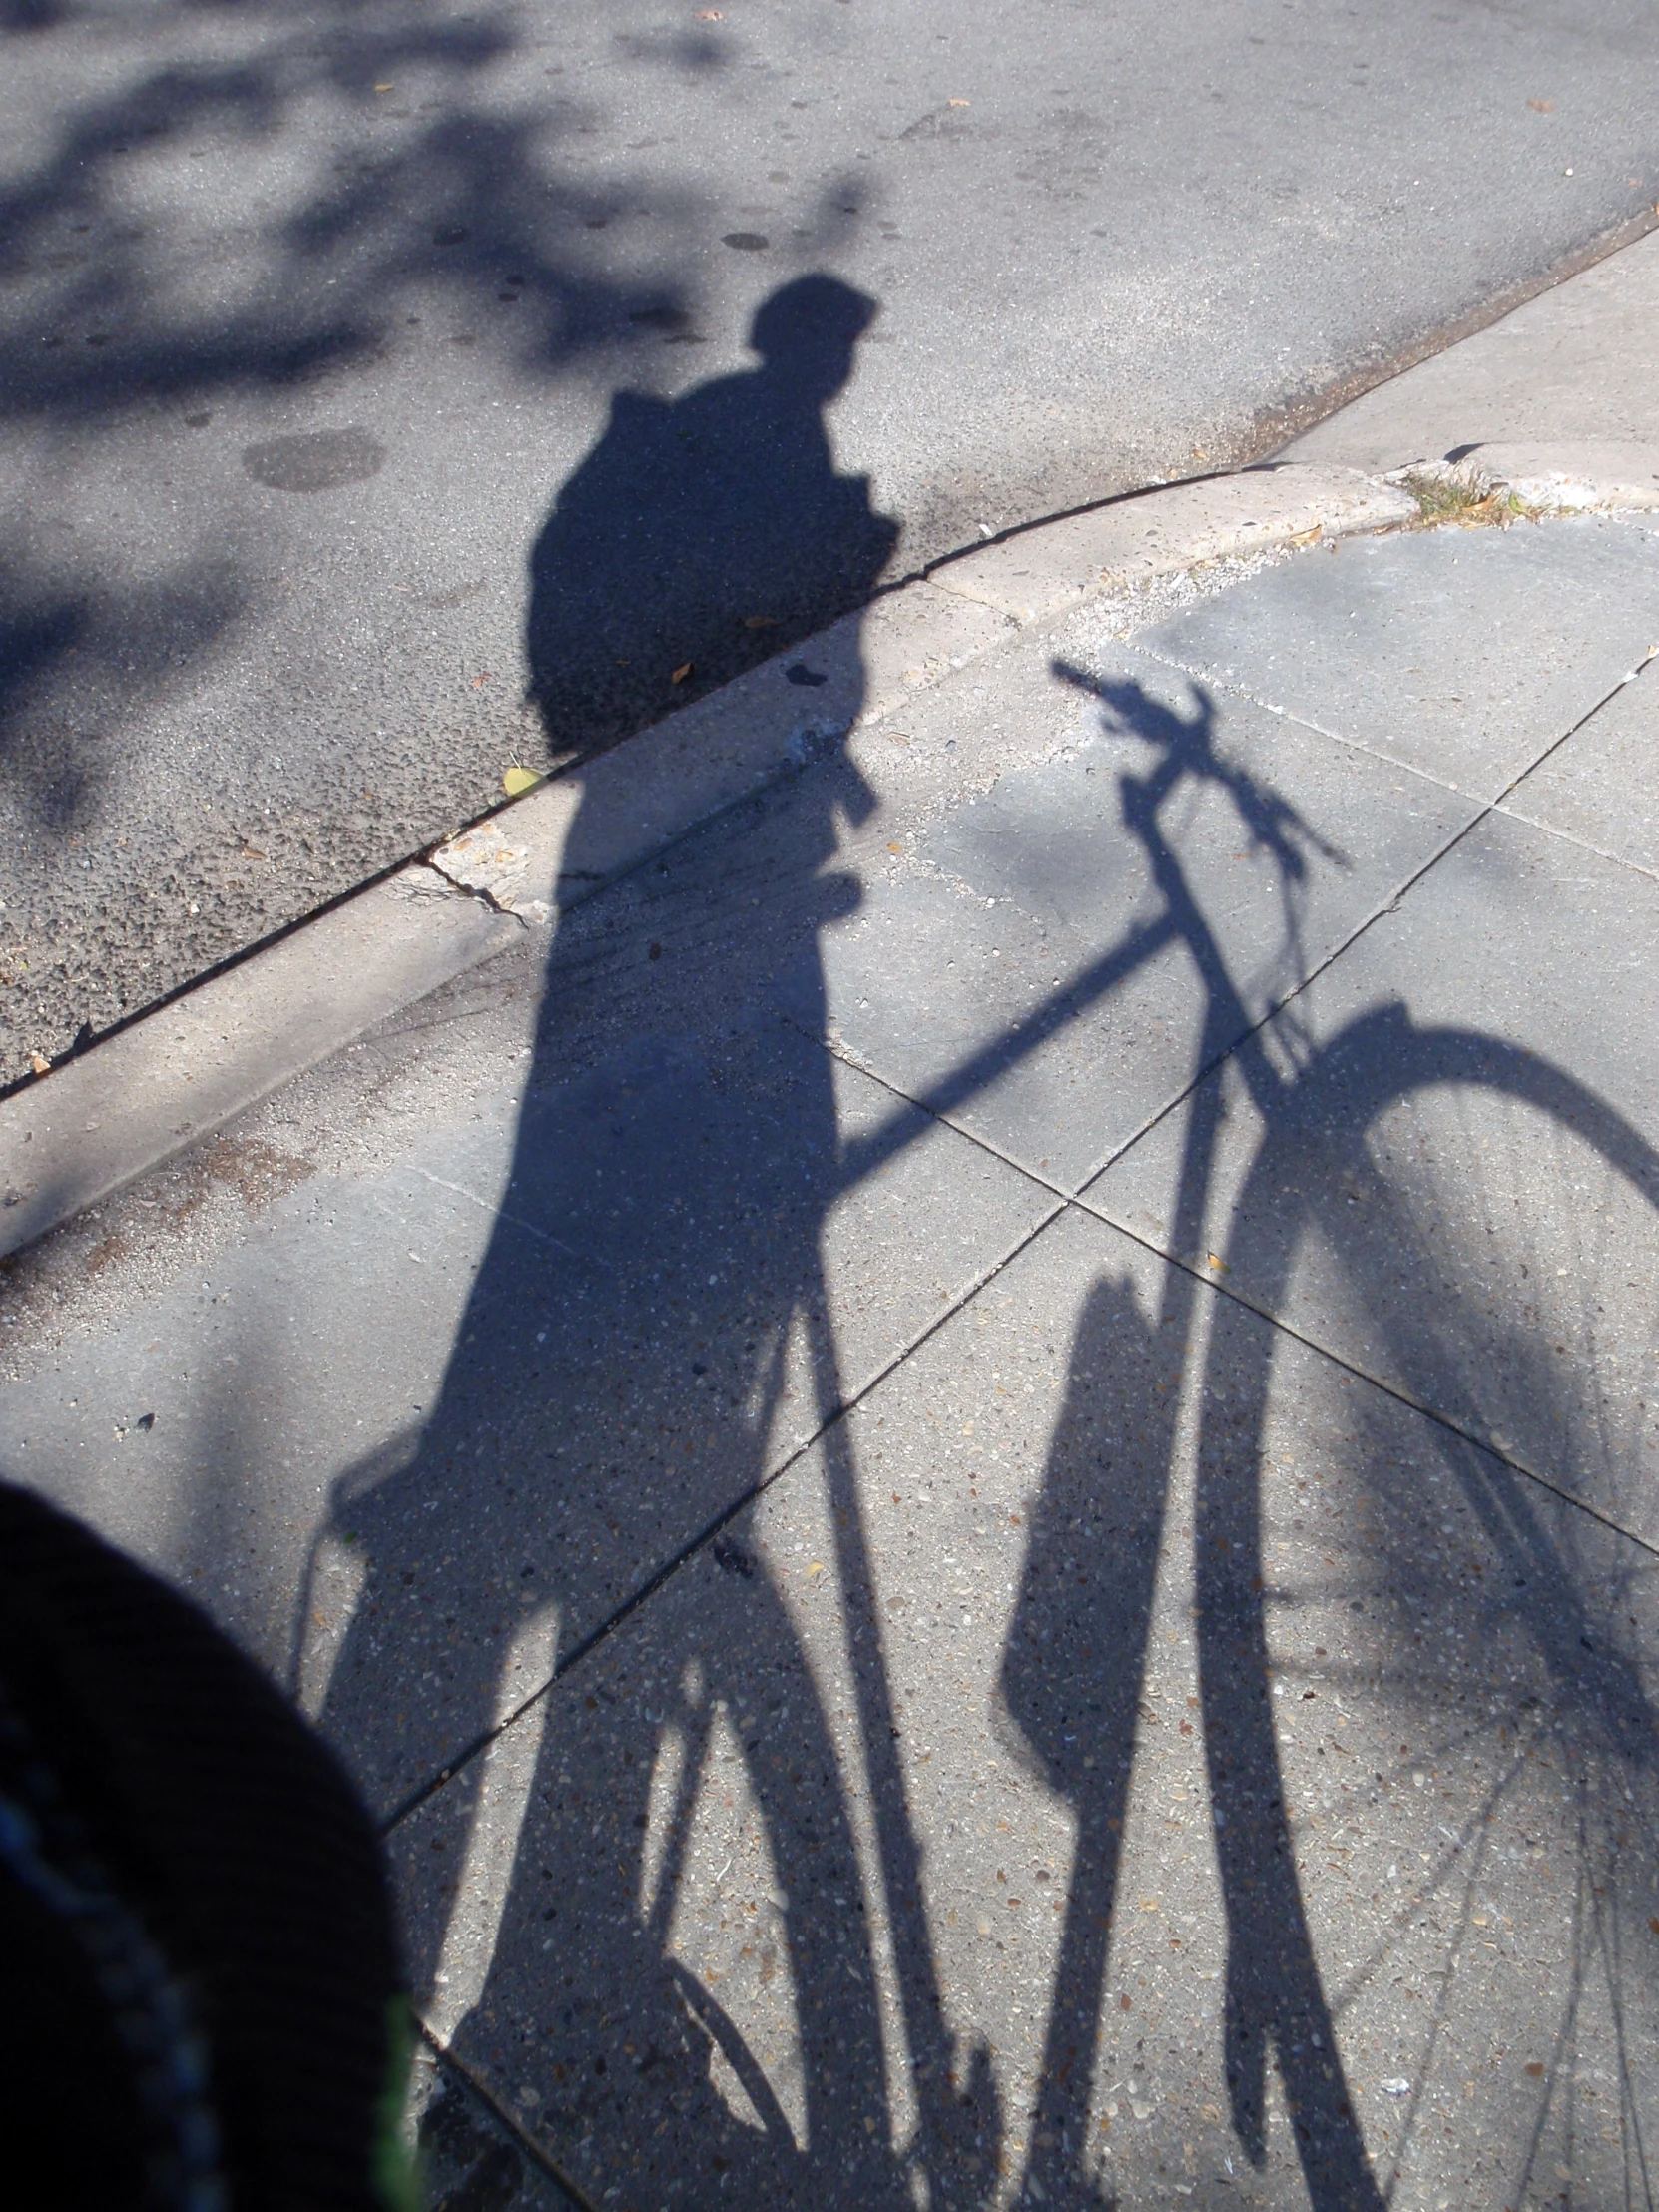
112, 1114
1560, 479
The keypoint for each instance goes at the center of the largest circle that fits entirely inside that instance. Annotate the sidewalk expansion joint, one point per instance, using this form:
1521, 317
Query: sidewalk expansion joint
507, 2120
1079, 1199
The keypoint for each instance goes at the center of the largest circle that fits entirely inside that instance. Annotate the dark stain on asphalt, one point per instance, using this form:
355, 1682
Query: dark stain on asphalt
747, 241
315, 460
731, 1555
453, 595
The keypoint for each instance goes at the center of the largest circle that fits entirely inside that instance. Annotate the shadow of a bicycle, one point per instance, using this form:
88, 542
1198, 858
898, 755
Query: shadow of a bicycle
690, 1885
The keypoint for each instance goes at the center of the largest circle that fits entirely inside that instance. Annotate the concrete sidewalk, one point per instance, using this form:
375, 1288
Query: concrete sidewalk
969, 1470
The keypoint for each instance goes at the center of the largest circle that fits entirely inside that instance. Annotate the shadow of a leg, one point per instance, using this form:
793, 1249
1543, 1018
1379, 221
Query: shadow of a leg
1076, 1659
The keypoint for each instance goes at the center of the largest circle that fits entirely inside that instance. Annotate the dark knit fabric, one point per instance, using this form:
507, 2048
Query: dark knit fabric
200, 1988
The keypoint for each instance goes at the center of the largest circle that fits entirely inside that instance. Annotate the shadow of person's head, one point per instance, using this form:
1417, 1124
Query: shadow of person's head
703, 534
807, 334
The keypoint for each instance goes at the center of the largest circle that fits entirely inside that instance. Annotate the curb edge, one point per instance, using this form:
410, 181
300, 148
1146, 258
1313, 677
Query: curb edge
182, 1070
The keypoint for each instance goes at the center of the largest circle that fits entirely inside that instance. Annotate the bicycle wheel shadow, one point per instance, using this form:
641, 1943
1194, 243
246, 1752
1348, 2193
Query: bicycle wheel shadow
1517, 1628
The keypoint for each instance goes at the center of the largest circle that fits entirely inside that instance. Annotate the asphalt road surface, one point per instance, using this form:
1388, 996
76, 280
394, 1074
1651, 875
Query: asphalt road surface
378, 410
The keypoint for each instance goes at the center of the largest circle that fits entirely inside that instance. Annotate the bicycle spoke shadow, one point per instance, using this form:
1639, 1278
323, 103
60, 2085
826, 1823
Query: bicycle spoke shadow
1515, 1624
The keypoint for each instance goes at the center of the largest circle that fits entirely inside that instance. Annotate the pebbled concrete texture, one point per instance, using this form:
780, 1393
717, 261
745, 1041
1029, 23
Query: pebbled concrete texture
893, 1679
943, 1669
467, 2160
320, 327
1595, 787
151, 1092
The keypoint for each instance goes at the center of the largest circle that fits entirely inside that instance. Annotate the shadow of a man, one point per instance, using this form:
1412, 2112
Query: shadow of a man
705, 532
649, 1321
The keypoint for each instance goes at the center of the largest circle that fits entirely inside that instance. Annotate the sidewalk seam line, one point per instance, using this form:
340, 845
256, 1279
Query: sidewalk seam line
446, 2057
1395, 1391
1093, 1211
599, 1634
1580, 844
1337, 737
1483, 812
